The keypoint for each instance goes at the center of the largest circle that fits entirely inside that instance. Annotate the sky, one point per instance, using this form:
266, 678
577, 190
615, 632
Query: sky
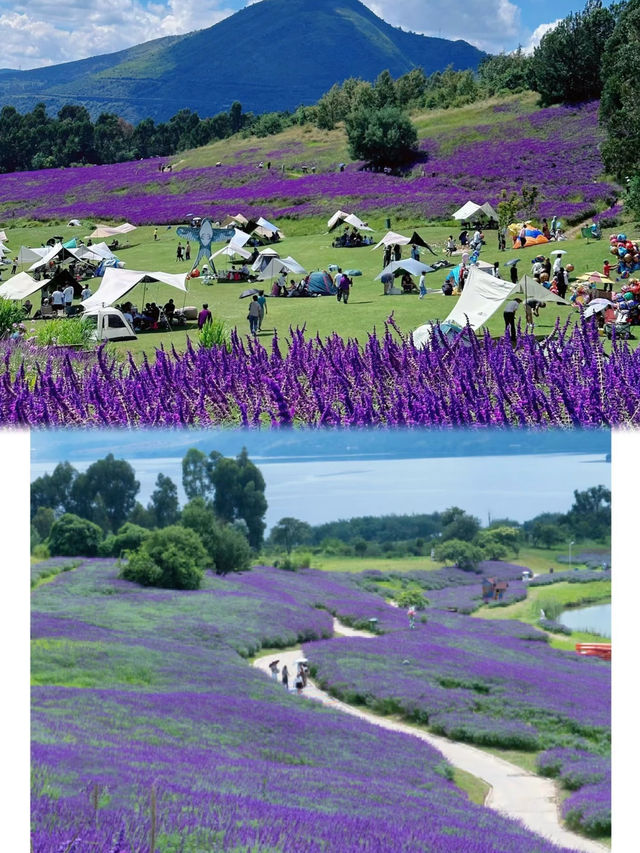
319, 490
43, 32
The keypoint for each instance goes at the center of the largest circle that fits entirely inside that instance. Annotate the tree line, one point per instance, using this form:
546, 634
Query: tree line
450, 535
96, 513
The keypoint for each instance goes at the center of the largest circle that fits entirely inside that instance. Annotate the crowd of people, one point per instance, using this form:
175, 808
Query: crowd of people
351, 239
298, 681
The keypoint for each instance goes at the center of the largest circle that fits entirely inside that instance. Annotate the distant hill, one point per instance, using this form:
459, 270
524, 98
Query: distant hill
272, 55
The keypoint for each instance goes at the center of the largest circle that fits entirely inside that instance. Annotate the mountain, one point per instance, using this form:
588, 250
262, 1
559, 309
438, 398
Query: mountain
273, 55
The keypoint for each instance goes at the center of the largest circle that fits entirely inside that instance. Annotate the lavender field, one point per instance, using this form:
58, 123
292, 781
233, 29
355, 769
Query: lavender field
333, 382
150, 730
554, 149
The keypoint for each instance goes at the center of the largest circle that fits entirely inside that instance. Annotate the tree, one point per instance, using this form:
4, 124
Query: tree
411, 598
290, 532
621, 82
383, 137
632, 196
590, 515
566, 63
505, 72
195, 474
42, 522
164, 502
53, 490
236, 117
128, 538
239, 493
497, 542
73, 536
457, 524
108, 487
464, 555
226, 546
173, 558
547, 529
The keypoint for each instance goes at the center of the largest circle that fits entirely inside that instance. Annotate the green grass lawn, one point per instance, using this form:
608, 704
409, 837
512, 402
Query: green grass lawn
308, 242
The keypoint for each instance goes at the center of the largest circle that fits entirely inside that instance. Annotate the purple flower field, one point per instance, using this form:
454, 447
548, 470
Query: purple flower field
148, 729
555, 149
332, 382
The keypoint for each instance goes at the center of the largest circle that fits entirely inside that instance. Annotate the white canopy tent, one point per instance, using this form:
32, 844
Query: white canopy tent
357, 223
409, 264
482, 296
263, 259
391, 238
74, 223
27, 255
240, 237
532, 289
3, 236
268, 226
230, 250
117, 282
471, 209
110, 231
337, 217
51, 253
20, 286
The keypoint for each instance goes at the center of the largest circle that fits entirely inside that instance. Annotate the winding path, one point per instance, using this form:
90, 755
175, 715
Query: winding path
514, 792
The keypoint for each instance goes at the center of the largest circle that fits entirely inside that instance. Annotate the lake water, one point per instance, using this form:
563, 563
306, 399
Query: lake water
596, 618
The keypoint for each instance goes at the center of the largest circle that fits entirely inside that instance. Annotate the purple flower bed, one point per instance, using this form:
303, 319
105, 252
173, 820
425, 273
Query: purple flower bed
52, 566
555, 149
588, 810
580, 576
178, 726
455, 664
334, 382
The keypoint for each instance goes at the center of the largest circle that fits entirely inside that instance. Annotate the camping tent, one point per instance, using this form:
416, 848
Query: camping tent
117, 282
336, 219
278, 265
482, 296
263, 259
357, 223
74, 223
408, 264
534, 236
20, 286
321, 283
391, 238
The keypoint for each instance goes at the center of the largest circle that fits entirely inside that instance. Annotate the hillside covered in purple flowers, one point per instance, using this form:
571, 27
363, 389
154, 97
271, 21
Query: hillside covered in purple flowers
150, 730
554, 149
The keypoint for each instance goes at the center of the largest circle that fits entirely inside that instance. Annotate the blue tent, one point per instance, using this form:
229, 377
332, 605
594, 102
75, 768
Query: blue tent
322, 284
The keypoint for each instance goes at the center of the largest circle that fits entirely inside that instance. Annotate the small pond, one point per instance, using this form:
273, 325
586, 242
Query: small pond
596, 618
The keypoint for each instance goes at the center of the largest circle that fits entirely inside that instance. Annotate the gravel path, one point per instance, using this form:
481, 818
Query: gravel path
515, 792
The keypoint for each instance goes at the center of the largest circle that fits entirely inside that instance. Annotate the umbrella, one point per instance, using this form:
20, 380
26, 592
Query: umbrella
559, 252
597, 305
595, 277
353, 272
250, 292
408, 264
302, 660
512, 262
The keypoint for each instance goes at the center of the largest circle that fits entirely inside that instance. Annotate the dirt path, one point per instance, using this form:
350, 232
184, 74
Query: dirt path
515, 793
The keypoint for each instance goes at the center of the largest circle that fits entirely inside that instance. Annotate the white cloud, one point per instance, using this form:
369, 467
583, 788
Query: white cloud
45, 32
537, 34
491, 25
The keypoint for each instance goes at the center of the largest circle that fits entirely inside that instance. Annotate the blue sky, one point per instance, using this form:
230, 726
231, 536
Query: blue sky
43, 32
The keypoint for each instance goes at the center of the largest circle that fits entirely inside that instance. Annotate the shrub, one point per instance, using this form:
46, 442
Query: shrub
411, 598
463, 554
10, 312
71, 535
64, 332
214, 333
128, 538
173, 558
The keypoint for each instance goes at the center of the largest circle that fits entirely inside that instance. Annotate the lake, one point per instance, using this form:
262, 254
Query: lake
596, 619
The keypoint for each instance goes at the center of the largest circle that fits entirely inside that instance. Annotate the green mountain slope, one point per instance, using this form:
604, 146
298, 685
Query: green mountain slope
272, 55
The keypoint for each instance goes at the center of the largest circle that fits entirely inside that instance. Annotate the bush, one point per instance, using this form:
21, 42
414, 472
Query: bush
214, 333
128, 538
173, 558
384, 137
463, 554
411, 598
71, 535
64, 332
10, 313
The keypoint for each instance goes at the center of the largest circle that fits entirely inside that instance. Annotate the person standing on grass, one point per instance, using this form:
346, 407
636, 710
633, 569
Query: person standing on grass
285, 677
179, 252
86, 292
262, 302
187, 251
343, 288
254, 315
509, 315
514, 274
204, 316
68, 298
155, 233
273, 666
532, 308
422, 287
57, 300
